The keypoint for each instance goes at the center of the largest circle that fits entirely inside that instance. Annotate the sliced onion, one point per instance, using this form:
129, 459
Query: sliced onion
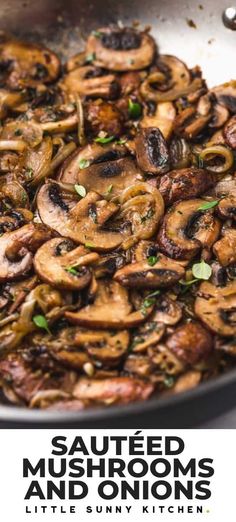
49, 169
220, 151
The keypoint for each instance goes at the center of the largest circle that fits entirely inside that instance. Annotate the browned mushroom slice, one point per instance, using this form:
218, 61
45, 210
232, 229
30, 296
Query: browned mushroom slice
60, 264
171, 81
15, 218
66, 124
111, 309
117, 390
189, 123
166, 272
230, 132
103, 117
29, 132
121, 49
29, 64
180, 153
190, 342
105, 346
227, 207
139, 365
167, 311
219, 117
90, 81
9, 100
142, 205
185, 184
151, 151
84, 221
16, 249
110, 177
147, 334
226, 95
186, 229
163, 119
215, 306
225, 248
187, 381
165, 360
67, 405
91, 154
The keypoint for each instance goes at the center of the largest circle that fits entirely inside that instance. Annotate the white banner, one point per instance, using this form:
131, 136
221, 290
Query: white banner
96, 475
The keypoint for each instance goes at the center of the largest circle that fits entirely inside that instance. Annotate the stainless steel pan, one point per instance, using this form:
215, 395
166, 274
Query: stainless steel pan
194, 31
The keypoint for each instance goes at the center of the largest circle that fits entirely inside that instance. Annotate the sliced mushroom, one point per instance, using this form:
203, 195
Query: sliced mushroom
84, 221
189, 123
227, 207
91, 154
225, 248
17, 247
180, 153
216, 308
110, 177
66, 124
151, 151
118, 390
230, 132
186, 229
102, 345
165, 360
171, 81
121, 49
9, 100
190, 342
142, 205
188, 381
147, 334
29, 132
226, 95
58, 263
185, 184
163, 119
167, 311
166, 272
111, 309
90, 81
29, 64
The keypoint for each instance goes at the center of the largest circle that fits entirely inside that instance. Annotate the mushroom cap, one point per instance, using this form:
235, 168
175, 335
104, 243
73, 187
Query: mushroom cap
225, 248
111, 309
215, 306
84, 221
54, 267
190, 342
151, 151
186, 229
185, 184
121, 49
166, 272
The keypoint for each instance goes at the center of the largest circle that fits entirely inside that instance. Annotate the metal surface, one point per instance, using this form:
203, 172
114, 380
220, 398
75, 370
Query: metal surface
195, 32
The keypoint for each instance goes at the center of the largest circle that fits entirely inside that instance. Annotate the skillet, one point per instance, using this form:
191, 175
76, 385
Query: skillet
196, 33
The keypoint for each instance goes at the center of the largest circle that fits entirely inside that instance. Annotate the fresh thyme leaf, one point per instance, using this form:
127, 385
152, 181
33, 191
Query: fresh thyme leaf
41, 322
187, 283
134, 109
89, 245
90, 57
106, 139
109, 189
98, 34
202, 270
122, 141
71, 270
80, 190
152, 260
169, 381
208, 205
84, 164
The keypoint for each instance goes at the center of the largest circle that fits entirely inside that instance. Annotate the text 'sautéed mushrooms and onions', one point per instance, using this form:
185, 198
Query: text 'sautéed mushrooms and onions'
117, 224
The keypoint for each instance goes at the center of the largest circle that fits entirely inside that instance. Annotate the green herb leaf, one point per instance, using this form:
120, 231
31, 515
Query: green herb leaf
208, 205
154, 294
29, 173
134, 109
106, 139
90, 57
89, 245
169, 381
187, 283
41, 322
71, 270
122, 141
84, 164
202, 270
152, 260
109, 189
80, 190
200, 162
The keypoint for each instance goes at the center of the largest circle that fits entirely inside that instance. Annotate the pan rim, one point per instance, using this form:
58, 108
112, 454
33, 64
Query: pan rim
19, 414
